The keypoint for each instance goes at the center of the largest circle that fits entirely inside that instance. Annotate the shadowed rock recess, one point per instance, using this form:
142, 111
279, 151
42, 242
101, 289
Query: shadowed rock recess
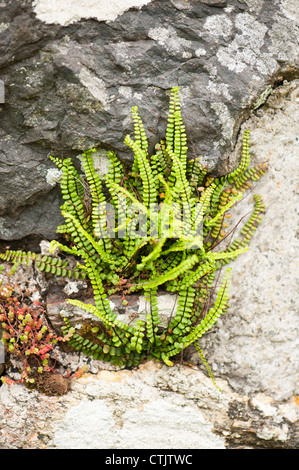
72, 74
71, 77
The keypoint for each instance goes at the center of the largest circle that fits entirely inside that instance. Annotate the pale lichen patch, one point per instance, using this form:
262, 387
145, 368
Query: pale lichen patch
3, 26
221, 89
71, 11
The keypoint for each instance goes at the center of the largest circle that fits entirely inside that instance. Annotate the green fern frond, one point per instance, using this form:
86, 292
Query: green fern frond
72, 189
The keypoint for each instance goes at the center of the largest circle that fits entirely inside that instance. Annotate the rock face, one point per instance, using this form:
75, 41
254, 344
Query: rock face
72, 75
153, 407
253, 350
264, 295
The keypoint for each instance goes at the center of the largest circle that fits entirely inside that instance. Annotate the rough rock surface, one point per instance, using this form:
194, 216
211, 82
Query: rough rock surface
253, 350
263, 326
72, 75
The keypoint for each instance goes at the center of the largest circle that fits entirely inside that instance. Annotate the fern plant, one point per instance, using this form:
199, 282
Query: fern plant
156, 226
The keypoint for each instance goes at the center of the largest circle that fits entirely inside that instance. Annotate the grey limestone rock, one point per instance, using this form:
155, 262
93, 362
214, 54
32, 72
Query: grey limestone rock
252, 351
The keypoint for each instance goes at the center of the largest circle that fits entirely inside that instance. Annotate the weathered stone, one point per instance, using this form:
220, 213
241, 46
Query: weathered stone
256, 345
153, 407
71, 77
252, 351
